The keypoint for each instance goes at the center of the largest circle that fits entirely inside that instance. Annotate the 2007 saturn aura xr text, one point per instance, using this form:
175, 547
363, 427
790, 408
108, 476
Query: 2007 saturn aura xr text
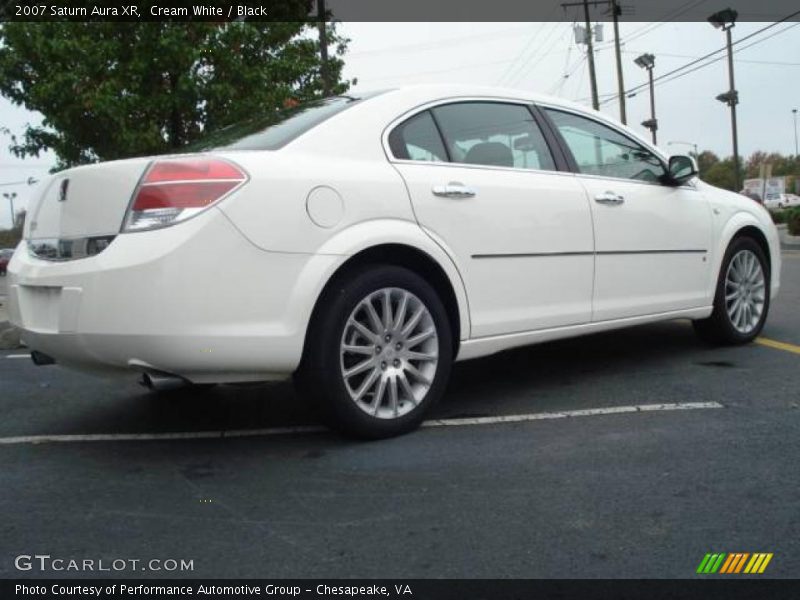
363, 243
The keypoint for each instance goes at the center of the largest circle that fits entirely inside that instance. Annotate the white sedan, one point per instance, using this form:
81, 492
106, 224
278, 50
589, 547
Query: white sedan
779, 201
363, 243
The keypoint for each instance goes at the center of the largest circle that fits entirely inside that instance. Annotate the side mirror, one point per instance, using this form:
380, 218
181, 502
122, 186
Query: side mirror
681, 169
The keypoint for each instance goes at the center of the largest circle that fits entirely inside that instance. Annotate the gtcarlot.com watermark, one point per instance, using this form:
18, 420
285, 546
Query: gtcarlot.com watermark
46, 563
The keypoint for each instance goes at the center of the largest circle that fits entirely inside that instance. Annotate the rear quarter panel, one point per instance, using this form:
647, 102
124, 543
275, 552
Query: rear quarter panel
272, 210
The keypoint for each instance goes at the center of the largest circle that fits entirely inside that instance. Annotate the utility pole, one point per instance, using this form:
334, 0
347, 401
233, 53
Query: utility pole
794, 112
590, 56
615, 12
323, 47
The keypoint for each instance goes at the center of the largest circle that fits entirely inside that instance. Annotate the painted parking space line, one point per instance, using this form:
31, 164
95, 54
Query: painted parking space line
785, 346
305, 429
18, 355
587, 412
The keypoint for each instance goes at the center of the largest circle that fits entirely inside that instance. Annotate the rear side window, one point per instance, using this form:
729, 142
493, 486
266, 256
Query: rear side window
417, 139
493, 134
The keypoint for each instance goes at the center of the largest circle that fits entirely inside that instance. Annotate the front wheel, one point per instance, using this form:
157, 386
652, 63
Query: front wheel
380, 352
741, 302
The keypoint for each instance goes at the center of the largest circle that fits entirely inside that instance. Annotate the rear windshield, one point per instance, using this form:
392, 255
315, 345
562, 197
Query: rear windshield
273, 130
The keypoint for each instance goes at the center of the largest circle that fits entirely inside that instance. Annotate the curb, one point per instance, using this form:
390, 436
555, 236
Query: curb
788, 242
9, 336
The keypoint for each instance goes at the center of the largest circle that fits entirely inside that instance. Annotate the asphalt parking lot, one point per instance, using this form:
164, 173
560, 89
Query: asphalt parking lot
635, 493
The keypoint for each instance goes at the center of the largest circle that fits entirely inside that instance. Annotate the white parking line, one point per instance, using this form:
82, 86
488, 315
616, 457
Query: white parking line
587, 412
18, 355
272, 431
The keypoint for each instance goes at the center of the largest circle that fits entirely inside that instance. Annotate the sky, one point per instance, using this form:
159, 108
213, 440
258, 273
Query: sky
536, 57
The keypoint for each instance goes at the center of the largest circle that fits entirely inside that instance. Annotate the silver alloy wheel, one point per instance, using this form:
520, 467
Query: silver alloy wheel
389, 353
745, 291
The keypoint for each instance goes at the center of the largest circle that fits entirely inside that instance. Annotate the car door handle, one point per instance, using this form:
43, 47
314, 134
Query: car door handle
609, 198
453, 190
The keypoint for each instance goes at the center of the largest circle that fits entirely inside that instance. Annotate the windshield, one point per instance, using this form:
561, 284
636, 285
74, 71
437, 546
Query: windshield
273, 130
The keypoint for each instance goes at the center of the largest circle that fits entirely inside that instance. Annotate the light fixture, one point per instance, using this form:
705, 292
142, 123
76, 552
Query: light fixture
729, 98
646, 61
724, 19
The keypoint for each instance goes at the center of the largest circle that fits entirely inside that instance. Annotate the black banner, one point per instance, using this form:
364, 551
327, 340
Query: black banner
394, 10
438, 589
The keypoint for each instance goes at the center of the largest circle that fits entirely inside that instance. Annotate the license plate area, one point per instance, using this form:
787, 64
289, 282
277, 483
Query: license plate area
39, 307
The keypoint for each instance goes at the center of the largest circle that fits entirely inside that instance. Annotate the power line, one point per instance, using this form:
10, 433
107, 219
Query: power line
719, 58
437, 45
706, 56
738, 60
670, 17
565, 74
438, 71
576, 65
525, 48
515, 70
530, 64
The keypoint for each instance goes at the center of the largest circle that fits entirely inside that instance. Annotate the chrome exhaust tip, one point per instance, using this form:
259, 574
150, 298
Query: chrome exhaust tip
41, 359
160, 382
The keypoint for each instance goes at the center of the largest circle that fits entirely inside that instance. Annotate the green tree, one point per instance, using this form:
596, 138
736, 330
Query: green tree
115, 90
720, 174
705, 160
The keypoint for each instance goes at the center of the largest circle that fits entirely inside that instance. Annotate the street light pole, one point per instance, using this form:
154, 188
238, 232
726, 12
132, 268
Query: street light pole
725, 20
11, 197
734, 102
648, 61
794, 112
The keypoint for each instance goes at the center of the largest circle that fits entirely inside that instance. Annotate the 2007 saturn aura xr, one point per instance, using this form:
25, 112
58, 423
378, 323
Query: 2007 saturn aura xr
363, 243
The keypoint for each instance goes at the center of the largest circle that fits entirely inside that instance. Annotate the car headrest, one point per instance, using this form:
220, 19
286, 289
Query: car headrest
490, 153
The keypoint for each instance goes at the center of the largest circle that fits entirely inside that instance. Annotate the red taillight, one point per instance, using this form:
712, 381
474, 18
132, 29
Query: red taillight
173, 190
192, 169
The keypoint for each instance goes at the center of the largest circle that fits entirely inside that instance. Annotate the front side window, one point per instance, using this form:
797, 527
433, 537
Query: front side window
600, 150
493, 134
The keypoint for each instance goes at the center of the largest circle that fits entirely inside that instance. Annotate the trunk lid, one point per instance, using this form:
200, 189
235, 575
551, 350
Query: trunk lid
85, 202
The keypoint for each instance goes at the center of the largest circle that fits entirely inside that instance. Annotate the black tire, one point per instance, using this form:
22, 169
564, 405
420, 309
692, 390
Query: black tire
320, 379
718, 328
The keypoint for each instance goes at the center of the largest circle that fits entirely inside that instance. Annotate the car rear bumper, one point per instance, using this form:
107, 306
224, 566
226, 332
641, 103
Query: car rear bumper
196, 300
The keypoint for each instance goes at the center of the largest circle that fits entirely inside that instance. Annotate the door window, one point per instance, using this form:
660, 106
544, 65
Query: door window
493, 134
600, 150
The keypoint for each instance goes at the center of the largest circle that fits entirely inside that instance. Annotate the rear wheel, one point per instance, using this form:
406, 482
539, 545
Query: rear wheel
379, 354
741, 302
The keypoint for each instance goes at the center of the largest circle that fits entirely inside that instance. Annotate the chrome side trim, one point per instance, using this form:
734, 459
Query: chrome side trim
587, 253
